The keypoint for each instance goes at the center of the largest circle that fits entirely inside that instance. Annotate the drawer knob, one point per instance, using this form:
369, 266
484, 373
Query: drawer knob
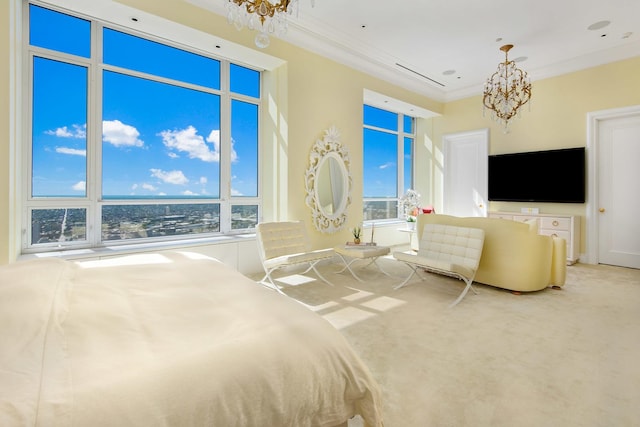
601, 210
555, 223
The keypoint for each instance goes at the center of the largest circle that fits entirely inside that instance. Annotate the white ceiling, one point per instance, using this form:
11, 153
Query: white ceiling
430, 37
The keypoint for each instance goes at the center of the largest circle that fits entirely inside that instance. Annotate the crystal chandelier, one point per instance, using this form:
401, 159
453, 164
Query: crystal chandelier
268, 17
508, 89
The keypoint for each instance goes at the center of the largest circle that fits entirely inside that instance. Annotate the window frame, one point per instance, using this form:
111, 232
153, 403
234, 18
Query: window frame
401, 135
93, 201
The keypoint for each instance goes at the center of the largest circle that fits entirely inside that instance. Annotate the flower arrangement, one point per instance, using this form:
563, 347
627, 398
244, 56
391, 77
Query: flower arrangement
410, 203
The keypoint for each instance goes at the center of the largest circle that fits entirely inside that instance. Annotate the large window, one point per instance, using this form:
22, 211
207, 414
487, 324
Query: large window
133, 140
387, 161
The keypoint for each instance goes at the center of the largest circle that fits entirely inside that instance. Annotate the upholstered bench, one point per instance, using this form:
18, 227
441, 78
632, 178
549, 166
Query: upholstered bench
350, 254
446, 249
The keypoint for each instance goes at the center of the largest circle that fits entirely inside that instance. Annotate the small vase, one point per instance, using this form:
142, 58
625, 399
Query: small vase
411, 225
356, 240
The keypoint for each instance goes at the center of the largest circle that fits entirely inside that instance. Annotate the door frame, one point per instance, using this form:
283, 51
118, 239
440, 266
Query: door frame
593, 128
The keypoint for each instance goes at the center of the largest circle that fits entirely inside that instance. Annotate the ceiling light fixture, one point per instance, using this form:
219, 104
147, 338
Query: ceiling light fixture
508, 89
268, 17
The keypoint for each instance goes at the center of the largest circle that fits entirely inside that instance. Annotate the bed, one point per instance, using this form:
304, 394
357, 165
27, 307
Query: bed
169, 339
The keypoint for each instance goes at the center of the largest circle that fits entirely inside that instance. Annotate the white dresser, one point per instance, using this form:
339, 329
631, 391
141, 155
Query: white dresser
565, 226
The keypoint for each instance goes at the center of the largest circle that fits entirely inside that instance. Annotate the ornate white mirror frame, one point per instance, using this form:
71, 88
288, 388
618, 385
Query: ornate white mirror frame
328, 182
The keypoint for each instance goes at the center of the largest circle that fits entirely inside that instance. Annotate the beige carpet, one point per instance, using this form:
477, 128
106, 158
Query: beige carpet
567, 357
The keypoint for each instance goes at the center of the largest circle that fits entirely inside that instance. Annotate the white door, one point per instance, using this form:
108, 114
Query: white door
465, 173
618, 193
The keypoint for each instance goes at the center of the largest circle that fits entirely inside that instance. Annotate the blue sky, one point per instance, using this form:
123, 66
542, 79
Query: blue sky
380, 154
158, 139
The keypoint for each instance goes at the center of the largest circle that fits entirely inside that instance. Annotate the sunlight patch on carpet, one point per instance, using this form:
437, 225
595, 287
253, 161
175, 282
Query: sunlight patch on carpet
295, 279
327, 305
383, 303
347, 316
357, 295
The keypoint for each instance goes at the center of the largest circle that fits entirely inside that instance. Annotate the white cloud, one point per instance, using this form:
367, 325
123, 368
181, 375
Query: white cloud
71, 151
235, 192
80, 186
203, 180
386, 165
214, 138
149, 187
189, 193
188, 141
119, 134
79, 131
170, 177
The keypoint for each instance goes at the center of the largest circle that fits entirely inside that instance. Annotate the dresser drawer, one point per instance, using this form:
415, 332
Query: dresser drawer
558, 233
552, 223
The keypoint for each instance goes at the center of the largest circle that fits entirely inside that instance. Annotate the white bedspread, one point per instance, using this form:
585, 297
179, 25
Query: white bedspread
168, 340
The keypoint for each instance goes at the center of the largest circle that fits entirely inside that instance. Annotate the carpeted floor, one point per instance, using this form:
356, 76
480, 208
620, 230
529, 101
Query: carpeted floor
565, 358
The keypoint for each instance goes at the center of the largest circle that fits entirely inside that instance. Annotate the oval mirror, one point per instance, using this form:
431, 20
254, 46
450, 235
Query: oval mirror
331, 183
328, 183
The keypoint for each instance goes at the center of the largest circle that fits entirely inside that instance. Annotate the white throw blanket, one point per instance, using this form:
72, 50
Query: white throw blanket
165, 340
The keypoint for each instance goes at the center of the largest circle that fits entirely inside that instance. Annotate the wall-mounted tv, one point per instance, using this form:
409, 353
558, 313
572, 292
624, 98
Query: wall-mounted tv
551, 176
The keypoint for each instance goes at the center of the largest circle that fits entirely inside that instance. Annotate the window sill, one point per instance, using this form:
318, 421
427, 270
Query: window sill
384, 223
129, 249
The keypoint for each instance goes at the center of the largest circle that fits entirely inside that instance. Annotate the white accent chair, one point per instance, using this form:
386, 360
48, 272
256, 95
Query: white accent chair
286, 244
449, 250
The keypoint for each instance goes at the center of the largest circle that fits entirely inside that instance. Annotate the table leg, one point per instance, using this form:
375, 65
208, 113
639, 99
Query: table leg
347, 266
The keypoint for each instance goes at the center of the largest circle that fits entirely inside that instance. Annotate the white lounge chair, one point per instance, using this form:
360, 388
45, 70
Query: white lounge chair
449, 250
285, 244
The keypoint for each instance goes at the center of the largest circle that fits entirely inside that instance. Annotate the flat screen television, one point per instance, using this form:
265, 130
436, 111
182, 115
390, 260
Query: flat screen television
551, 176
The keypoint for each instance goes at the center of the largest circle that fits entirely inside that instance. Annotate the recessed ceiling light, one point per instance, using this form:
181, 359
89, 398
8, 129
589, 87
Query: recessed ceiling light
598, 25
627, 35
521, 59
499, 39
448, 72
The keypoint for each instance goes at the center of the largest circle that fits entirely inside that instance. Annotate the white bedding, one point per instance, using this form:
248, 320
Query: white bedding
168, 340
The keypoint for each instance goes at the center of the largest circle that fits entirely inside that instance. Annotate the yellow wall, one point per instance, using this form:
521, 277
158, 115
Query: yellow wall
310, 93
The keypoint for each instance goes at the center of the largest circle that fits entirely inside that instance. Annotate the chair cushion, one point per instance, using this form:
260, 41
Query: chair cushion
452, 245
279, 239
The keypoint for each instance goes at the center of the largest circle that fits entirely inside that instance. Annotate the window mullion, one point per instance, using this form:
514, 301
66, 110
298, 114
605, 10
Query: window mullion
225, 150
400, 159
94, 138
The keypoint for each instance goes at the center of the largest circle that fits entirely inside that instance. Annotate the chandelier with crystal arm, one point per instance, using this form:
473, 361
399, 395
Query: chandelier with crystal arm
266, 16
508, 89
